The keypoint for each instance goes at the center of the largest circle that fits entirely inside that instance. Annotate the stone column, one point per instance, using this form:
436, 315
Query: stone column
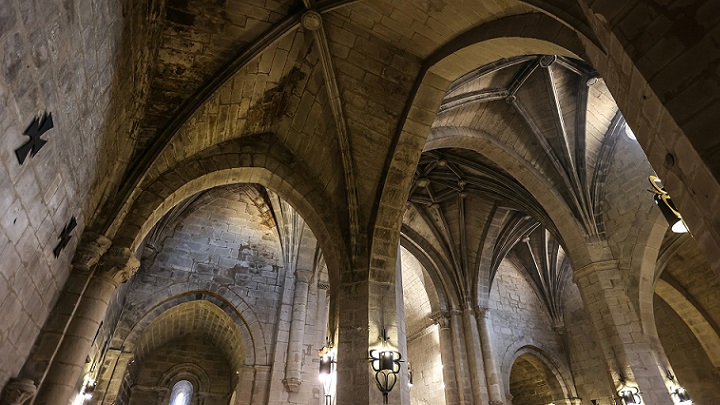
494, 382
323, 305
293, 365
452, 391
474, 354
404, 377
617, 327
50, 338
462, 370
65, 371
18, 391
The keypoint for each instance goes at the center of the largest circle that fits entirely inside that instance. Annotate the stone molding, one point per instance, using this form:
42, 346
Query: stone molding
303, 276
311, 20
482, 313
591, 268
442, 319
323, 286
91, 248
18, 391
292, 384
118, 264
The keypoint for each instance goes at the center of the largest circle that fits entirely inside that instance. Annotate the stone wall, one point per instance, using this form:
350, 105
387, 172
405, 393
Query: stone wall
223, 247
424, 353
519, 319
588, 367
157, 373
84, 65
692, 367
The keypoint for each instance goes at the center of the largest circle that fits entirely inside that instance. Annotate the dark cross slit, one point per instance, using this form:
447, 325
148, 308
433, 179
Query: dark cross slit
65, 237
39, 126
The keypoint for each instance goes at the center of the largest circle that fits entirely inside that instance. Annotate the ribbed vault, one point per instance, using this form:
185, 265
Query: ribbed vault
470, 213
554, 112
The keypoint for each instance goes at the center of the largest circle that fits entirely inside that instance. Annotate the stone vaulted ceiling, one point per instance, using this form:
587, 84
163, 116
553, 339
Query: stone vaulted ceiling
466, 214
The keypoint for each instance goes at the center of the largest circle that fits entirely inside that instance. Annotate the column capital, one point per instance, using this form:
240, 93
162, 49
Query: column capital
91, 248
118, 264
292, 384
442, 319
303, 276
482, 312
18, 391
594, 267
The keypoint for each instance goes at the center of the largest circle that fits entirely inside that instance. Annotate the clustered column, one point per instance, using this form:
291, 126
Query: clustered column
293, 366
452, 391
495, 386
115, 267
626, 351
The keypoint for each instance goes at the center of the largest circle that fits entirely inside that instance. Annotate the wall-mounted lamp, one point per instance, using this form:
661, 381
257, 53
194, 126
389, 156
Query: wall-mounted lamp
385, 362
86, 391
680, 395
630, 395
668, 209
327, 371
410, 375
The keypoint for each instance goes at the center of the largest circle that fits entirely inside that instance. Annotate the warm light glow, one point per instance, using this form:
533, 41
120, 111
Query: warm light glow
679, 227
630, 134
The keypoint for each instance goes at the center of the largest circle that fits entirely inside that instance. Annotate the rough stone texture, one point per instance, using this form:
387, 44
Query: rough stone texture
71, 60
144, 82
166, 366
688, 359
519, 320
223, 250
424, 353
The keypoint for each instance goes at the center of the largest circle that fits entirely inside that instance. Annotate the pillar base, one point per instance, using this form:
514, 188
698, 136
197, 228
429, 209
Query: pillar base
18, 391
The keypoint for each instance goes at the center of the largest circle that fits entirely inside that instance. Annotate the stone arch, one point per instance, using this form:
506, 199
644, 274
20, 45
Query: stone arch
694, 317
261, 159
644, 263
246, 323
540, 358
509, 36
432, 263
660, 137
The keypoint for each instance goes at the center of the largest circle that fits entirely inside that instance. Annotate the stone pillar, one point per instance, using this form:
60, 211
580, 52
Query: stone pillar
462, 370
293, 365
65, 371
494, 382
261, 385
452, 391
323, 305
404, 377
474, 354
17, 391
113, 376
617, 327
47, 345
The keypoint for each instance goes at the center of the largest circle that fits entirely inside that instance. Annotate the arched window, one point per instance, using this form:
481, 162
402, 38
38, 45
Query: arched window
181, 393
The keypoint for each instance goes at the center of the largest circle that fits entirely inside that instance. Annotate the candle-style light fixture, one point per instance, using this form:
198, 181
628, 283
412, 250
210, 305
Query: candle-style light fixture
628, 394
679, 394
385, 362
327, 371
668, 209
